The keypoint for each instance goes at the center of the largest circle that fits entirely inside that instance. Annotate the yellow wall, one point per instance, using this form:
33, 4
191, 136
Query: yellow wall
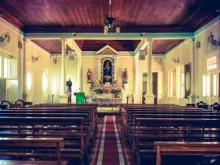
36, 69
71, 73
184, 52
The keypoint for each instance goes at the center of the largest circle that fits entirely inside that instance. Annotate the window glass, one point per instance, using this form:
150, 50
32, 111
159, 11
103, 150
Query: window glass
182, 85
208, 85
214, 85
29, 81
45, 82
212, 63
171, 84
204, 85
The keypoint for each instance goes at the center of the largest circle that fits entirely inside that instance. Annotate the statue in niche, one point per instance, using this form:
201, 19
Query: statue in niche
107, 70
89, 76
69, 90
125, 76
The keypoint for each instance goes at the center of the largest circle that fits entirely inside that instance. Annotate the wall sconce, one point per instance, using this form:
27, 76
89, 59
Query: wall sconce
197, 45
176, 61
159, 60
142, 55
54, 60
5, 37
34, 58
19, 45
212, 41
72, 55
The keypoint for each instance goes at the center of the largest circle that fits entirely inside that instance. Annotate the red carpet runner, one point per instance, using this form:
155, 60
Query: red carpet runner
110, 151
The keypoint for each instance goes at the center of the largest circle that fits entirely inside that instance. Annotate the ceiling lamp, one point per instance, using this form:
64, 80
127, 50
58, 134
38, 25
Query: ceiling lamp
109, 21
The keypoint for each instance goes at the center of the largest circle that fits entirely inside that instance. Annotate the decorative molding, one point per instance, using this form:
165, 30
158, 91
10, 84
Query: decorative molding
107, 50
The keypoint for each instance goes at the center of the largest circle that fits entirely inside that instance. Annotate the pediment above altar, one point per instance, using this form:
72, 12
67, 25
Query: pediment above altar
107, 50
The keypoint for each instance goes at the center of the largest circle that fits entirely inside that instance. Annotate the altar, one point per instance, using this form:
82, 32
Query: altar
107, 91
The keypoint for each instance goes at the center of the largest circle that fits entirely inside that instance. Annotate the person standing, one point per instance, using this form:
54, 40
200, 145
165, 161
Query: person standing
69, 90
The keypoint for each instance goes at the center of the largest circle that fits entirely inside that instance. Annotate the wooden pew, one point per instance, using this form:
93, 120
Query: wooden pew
148, 130
74, 137
91, 114
185, 148
21, 162
28, 147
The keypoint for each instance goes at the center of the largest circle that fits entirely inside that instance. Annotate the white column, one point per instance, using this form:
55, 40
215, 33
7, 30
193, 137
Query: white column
63, 68
24, 95
165, 83
79, 73
136, 88
192, 95
99, 68
20, 73
149, 96
63, 96
115, 68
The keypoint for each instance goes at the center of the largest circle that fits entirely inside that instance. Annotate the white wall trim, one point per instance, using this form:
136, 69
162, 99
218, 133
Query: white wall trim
11, 26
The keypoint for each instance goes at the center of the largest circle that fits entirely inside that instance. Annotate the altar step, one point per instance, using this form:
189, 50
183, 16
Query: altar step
102, 111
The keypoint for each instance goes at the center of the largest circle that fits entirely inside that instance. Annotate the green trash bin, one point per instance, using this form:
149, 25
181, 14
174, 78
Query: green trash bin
80, 97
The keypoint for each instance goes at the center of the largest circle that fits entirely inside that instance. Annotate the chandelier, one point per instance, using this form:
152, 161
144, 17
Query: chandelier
109, 21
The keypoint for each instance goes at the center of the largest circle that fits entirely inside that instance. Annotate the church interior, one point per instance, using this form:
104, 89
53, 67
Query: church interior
109, 82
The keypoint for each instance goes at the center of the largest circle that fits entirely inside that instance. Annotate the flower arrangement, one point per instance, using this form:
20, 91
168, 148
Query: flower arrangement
99, 90
115, 88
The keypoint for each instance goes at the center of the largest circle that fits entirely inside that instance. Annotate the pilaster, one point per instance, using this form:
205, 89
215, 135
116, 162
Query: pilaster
24, 94
149, 95
63, 97
192, 96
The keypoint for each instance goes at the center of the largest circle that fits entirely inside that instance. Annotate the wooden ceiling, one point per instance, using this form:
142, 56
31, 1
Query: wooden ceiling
158, 46
119, 45
51, 46
88, 15
164, 46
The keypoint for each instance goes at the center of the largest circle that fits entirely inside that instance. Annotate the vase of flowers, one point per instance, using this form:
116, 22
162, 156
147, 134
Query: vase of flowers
99, 90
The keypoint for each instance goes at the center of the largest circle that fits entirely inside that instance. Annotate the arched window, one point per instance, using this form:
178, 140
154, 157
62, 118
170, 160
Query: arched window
45, 82
29, 81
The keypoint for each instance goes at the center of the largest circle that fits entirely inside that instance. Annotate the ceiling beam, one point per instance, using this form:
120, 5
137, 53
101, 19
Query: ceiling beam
142, 45
109, 36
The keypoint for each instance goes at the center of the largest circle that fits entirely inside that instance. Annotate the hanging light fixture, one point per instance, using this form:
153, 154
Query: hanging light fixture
109, 21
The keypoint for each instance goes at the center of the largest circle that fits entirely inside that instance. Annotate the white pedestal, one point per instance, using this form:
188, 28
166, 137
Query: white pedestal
149, 99
63, 98
137, 99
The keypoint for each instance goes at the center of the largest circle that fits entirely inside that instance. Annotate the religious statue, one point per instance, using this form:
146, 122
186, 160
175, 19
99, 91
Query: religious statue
125, 76
69, 90
89, 76
107, 71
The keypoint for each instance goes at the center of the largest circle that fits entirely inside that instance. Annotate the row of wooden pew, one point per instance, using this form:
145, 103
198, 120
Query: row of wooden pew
151, 127
48, 132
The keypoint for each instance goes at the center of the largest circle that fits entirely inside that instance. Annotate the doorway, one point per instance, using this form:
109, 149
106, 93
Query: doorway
155, 85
